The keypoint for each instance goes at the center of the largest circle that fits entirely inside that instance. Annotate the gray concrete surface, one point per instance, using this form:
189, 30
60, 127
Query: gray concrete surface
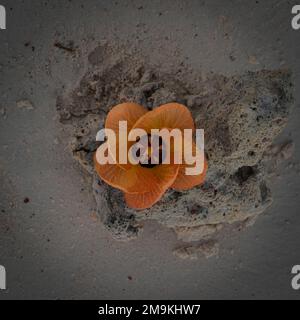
52, 245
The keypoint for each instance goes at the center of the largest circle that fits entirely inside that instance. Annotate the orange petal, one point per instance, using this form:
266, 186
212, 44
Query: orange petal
130, 112
171, 116
144, 200
137, 179
185, 182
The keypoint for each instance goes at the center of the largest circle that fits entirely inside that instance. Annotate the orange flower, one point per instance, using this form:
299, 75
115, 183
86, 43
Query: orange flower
144, 185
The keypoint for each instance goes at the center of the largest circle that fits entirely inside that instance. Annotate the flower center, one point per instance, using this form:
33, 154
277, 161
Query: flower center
149, 151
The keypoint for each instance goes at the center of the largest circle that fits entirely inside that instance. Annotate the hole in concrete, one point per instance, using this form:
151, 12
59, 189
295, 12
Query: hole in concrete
244, 173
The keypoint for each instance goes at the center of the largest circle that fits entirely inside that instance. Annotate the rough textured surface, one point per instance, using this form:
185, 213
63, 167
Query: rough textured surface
207, 249
241, 116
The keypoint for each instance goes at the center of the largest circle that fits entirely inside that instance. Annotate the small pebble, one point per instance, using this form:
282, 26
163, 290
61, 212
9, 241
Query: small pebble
26, 200
25, 104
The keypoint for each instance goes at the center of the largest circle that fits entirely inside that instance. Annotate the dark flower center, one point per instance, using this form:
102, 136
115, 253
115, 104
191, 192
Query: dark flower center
150, 152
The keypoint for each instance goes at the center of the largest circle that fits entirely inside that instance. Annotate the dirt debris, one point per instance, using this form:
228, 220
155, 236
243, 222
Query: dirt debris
68, 48
241, 116
280, 152
207, 249
25, 104
3, 113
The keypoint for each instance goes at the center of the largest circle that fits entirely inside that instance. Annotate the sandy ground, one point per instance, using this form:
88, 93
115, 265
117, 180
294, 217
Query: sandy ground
51, 242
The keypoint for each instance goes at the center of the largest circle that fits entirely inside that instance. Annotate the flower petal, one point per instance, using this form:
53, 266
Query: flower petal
171, 116
129, 112
186, 182
145, 200
141, 201
137, 179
